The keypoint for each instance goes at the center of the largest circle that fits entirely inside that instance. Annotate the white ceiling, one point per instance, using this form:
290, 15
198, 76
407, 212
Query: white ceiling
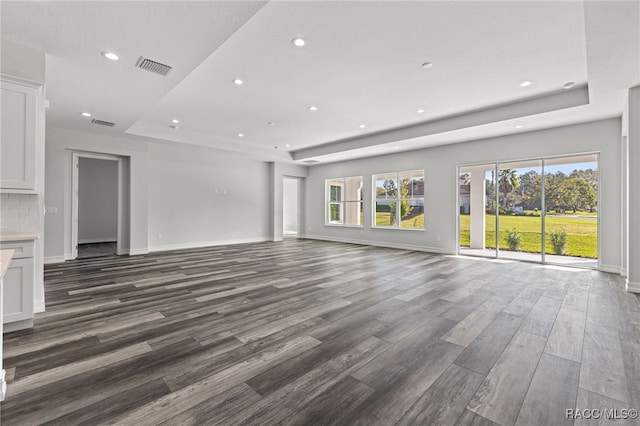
361, 65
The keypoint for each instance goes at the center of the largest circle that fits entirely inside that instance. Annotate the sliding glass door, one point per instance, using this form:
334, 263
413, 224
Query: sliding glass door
519, 212
477, 220
509, 211
571, 220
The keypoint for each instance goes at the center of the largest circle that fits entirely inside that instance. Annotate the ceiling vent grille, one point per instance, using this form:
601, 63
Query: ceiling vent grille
153, 66
310, 161
103, 123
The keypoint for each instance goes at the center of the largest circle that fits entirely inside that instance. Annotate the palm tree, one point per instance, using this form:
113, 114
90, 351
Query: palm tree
507, 182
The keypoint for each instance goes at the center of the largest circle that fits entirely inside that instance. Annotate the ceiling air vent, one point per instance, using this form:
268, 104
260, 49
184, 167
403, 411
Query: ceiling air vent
310, 161
153, 66
103, 123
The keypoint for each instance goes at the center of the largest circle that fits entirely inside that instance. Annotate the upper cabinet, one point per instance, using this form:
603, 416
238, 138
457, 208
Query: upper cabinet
20, 130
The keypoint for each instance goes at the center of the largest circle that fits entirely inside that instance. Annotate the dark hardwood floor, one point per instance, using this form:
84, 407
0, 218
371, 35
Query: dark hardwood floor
310, 333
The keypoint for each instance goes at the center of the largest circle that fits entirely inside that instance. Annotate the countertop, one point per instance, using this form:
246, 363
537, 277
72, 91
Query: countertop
5, 258
25, 236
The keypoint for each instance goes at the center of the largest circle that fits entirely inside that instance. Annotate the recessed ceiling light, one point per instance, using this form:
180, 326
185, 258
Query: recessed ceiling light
276, 147
420, 111
525, 84
396, 147
270, 123
362, 126
313, 108
569, 85
85, 114
175, 121
110, 55
287, 145
519, 126
241, 135
174, 127
427, 65
299, 42
238, 82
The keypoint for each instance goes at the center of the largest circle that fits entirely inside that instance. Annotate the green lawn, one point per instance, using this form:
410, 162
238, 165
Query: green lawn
582, 233
384, 219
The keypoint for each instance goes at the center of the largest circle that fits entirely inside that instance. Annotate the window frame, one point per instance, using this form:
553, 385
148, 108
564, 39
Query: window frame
398, 199
343, 202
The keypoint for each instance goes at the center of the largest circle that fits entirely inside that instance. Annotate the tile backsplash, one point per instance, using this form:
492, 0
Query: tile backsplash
19, 213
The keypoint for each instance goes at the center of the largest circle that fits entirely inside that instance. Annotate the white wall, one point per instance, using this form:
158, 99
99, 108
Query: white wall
97, 200
290, 204
180, 195
441, 183
199, 197
632, 204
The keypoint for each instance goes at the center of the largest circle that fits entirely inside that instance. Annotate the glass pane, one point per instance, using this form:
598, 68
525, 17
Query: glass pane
571, 222
386, 193
412, 199
476, 194
386, 186
353, 213
519, 210
334, 214
334, 189
353, 188
491, 210
385, 213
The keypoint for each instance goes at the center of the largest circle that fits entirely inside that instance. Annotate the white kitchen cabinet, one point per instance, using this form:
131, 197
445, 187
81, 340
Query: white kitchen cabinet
20, 121
17, 294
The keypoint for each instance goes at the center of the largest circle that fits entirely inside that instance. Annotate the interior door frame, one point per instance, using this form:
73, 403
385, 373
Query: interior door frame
299, 195
76, 155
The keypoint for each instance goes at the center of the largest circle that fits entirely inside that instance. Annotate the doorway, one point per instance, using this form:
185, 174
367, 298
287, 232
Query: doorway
99, 218
541, 210
291, 207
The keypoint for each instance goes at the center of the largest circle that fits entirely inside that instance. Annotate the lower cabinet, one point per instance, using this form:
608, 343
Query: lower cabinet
17, 294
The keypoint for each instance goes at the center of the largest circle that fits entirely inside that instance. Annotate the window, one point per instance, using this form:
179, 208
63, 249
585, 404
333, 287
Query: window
399, 200
344, 201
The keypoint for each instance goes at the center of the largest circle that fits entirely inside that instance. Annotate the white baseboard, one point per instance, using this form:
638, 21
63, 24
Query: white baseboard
68, 256
122, 252
18, 325
97, 240
184, 246
633, 287
54, 259
614, 269
381, 244
136, 252
38, 306
624, 272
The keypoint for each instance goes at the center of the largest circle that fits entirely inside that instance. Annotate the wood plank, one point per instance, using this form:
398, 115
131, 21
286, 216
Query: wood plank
215, 410
445, 401
183, 399
542, 317
602, 368
481, 355
500, 396
334, 405
397, 392
553, 390
567, 335
472, 325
